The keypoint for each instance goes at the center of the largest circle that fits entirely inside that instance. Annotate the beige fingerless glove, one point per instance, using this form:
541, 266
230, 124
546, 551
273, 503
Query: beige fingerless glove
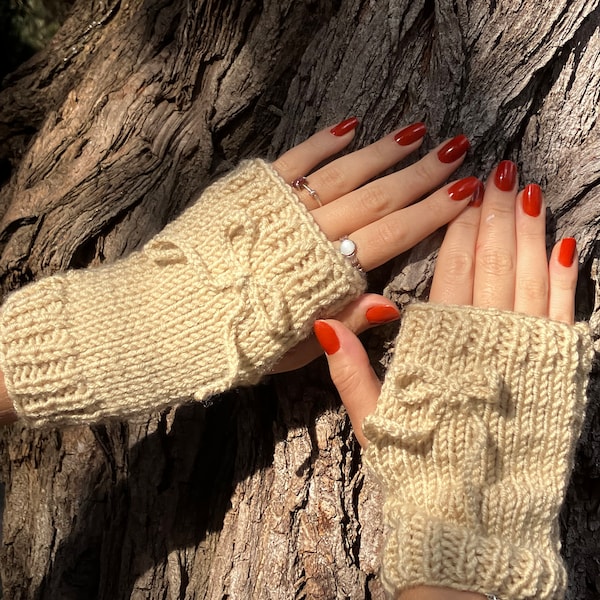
211, 302
473, 439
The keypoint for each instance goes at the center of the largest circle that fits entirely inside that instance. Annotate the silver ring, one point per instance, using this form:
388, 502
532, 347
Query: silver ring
348, 249
302, 183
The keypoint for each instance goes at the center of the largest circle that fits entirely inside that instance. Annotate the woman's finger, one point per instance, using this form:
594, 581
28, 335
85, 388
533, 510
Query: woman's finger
363, 313
352, 170
563, 281
455, 266
531, 280
390, 236
303, 158
495, 257
390, 193
351, 372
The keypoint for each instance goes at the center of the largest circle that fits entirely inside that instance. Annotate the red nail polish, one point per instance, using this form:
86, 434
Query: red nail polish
506, 175
382, 314
532, 200
464, 188
327, 337
478, 194
411, 134
566, 254
454, 149
344, 127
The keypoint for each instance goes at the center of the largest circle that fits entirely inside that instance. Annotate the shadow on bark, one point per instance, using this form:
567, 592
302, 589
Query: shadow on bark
170, 499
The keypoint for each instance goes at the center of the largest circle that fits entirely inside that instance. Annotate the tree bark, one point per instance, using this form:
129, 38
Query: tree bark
118, 125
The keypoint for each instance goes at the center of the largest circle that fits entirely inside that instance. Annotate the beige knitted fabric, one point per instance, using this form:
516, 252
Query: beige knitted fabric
211, 302
473, 439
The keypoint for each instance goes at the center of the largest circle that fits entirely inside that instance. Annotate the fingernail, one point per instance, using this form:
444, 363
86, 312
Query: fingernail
532, 200
478, 194
454, 149
464, 188
566, 254
344, 127
327, 337
411, 134
506, 175
382, 314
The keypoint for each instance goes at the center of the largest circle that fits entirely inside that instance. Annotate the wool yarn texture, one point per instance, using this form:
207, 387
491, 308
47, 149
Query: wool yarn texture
210, 303
473, 440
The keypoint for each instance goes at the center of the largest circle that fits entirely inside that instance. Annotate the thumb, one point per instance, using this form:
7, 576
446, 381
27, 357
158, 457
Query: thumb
351, 372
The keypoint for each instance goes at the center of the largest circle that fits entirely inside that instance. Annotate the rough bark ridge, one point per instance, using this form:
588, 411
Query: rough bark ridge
118, 125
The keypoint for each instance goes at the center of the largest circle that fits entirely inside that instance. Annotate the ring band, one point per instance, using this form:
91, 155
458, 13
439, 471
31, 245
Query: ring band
302, 183
348, 249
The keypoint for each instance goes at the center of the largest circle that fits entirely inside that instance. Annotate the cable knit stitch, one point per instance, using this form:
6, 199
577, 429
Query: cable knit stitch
473, 438
211, 302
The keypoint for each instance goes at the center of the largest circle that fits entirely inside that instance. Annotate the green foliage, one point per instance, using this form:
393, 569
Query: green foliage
26, 26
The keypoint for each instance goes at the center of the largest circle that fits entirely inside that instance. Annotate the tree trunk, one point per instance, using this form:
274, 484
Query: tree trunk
118, 125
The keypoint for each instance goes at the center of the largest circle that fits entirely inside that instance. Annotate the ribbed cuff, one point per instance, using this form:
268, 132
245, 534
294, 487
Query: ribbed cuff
424, 550
38, 352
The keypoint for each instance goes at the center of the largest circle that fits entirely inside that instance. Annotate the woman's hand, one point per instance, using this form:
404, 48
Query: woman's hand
383, 217
493, 255
377, 215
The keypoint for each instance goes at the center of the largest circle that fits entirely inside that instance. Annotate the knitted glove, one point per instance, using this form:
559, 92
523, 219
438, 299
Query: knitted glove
211, 302
473, 440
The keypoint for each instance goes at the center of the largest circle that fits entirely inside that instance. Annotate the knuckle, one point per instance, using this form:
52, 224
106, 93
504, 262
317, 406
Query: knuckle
458, 265
332, 178
532, 237
380, 151
389, 233
346, 378
315, 145
502, 209
488, 297
423, 170
375, 200
564, 284
468, 228
532, 289
495, 261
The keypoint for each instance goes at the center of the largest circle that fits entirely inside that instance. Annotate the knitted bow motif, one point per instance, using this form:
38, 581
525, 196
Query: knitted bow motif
426, 399
227, 264
251, 282
232, 263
